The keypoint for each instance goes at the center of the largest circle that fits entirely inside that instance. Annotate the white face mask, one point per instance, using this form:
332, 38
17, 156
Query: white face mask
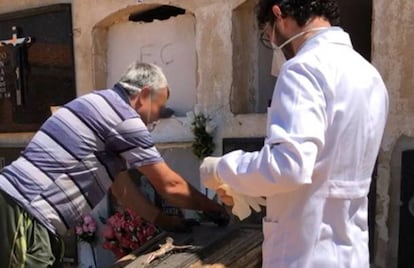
279, 57
151, 126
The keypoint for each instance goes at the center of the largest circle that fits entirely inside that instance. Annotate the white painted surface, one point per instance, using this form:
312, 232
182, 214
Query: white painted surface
184, 162
169, 44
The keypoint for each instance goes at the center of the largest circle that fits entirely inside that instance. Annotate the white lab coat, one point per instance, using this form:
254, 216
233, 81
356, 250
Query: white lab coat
324, 131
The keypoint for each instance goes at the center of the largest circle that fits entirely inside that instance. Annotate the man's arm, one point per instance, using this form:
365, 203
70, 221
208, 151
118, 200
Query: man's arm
173, 188
128, 195
297, 121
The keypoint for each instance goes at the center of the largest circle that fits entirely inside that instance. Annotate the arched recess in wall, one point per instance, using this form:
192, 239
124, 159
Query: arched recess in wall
153, 33
253, 83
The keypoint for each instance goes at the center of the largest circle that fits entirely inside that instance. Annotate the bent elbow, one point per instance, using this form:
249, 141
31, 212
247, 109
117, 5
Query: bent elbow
288, 180
173, 188
293, 182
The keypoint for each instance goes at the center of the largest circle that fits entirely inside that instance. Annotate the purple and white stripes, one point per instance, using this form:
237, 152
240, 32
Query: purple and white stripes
72, 160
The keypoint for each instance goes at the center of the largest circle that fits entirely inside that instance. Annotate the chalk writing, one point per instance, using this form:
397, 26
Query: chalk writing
160, 55
165, 54
3, 88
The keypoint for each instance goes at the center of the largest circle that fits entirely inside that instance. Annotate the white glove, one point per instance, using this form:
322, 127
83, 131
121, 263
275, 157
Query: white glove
208, 173
243, 203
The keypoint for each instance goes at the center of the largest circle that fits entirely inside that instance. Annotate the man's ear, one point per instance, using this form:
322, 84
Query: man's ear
277, 12
280, 19
134, 101
145, 93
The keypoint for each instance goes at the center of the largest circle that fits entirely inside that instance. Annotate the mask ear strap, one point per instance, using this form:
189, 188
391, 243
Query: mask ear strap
272, 37
149, 113
300, 34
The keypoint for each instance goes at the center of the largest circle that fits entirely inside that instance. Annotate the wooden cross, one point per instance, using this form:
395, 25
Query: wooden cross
165, 249
15, 42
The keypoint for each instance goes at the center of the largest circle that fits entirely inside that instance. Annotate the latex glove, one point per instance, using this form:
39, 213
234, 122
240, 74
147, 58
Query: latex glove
243, 203
208, 173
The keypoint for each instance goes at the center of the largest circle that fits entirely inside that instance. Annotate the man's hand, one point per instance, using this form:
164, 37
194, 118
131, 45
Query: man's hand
242, 204
208, 173
175, 190
224, 197
221, 218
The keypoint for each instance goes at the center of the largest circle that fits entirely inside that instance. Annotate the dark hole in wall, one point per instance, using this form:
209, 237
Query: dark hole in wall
371, 213
356, 19
163, 12
406, 234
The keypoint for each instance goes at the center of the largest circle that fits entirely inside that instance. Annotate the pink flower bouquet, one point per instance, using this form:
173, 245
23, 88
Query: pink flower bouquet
125, 231
86, 229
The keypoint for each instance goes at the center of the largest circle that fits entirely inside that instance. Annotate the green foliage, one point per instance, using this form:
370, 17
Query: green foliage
203, 144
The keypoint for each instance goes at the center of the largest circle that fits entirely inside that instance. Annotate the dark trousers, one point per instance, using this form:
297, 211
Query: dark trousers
24, 241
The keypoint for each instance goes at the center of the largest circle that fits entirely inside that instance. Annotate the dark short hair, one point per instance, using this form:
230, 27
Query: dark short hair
300, 10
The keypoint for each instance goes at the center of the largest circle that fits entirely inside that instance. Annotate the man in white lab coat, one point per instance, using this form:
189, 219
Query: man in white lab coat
324, 130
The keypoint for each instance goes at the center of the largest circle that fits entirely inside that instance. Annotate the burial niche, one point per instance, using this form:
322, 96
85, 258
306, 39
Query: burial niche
164, 35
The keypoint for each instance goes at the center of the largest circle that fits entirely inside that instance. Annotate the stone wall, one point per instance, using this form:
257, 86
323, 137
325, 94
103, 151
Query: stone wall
393, 55
213, 26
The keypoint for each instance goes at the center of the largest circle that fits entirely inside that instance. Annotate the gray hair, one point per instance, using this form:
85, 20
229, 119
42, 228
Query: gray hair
141, 74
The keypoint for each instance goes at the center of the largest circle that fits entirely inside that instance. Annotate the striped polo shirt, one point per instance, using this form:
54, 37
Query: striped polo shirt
70, 163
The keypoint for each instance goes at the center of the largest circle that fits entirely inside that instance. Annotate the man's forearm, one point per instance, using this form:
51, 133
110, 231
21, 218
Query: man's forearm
128, 195
186, 196
173, 188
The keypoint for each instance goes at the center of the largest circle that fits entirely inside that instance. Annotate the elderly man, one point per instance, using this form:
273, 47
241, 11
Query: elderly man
74, 158
324, 132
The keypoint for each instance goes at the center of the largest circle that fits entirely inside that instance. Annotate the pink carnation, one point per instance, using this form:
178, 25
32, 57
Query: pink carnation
125, 232
108, 232
110, 245
85, 228
78, 230
87, 219
124, 242
92, 227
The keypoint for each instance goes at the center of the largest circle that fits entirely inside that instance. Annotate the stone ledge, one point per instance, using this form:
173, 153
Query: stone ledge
13, 140
172, 132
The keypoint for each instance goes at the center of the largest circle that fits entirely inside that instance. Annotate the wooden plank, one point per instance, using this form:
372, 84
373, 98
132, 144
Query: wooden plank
235, 247
232, 246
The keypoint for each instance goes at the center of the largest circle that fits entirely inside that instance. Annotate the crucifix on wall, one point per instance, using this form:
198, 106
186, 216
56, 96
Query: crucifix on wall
37, 65
18, 45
